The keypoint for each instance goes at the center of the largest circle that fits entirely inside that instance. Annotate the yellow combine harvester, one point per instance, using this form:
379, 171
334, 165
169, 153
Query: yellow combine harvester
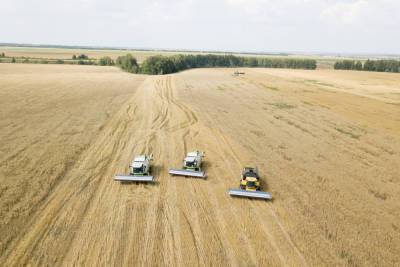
250, 185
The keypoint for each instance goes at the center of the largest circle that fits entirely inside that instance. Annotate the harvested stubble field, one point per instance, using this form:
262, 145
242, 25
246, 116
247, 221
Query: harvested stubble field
327, 144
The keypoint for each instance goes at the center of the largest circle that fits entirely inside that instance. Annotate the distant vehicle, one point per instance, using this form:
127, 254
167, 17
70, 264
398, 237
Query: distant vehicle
237, 73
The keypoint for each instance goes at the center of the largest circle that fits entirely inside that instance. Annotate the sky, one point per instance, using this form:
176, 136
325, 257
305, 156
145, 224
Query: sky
309, 26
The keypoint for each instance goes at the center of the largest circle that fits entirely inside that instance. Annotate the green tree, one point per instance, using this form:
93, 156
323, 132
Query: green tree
358, 65
383, 65
106, 61
158, 65
128, 63
368, 65
13, 60
251, 62
83, 56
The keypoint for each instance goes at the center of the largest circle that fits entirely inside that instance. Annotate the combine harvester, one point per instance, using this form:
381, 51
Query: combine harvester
238, 73
250, 185
191, 166
139, 170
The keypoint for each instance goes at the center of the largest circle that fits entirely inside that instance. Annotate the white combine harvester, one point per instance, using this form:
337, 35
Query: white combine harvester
139, 170
191, 166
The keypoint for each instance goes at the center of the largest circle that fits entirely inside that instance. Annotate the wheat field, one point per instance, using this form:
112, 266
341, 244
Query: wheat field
327, 144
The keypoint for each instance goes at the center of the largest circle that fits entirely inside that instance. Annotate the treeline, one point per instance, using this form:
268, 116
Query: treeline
104, 61
81, 56
383, 65
76, 60
171, 64
26, 60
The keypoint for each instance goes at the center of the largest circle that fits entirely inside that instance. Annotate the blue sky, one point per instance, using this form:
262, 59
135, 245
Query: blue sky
352, 26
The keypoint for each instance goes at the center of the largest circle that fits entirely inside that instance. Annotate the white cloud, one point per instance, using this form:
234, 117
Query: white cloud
363, 12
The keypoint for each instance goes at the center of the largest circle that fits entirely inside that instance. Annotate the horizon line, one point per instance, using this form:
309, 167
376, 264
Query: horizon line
279, 53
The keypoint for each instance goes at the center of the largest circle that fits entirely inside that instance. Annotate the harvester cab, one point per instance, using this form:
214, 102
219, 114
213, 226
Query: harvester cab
250, 180
141, 165
191, 165
193, 161
250, 185
139, 170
